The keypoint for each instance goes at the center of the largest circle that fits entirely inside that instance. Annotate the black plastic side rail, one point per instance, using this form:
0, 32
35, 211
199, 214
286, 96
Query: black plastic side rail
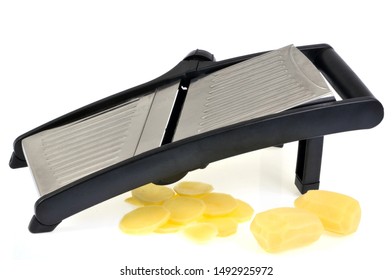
358, 109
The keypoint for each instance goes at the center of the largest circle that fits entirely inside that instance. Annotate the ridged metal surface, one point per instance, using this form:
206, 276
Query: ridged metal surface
65, 154
95, 143
267, 84
62, 155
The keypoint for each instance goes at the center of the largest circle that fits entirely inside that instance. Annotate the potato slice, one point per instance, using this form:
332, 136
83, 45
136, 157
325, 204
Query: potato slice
193, 188
339, 213
144, 220
242, 213
225, 226
169, 227
285, 228
184, 209
152, 194
134, 201
218, 204
201, 232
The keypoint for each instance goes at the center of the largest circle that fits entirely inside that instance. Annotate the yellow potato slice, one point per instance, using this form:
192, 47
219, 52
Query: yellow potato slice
169, 227
152, 194
285, 228
184, 209
218, 204
134, 201
201, 232
242, 213
144, 220
225, 226
339, 213
193, 188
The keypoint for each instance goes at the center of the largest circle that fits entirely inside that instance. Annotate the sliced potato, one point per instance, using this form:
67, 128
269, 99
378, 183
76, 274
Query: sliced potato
218, 204
169, 227
152, 194
193, 188
242, 213
134, 201
201, 232
144, 220
225, 226
184, 209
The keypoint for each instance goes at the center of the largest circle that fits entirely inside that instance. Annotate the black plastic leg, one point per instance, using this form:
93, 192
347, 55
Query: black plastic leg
36, 226
309, 164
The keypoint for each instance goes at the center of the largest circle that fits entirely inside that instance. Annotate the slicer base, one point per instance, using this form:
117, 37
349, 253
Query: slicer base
174, 153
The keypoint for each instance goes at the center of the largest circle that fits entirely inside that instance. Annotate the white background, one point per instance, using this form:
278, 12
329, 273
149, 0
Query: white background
58, 56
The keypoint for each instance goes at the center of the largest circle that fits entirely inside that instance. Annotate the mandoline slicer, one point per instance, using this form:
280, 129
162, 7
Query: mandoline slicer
199, 112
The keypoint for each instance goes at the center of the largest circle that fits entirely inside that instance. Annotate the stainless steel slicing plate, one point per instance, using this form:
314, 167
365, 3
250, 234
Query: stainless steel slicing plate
62, 155
266, 84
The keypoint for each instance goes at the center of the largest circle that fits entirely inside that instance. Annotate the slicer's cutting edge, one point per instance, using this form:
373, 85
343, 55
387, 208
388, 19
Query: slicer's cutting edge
359, 109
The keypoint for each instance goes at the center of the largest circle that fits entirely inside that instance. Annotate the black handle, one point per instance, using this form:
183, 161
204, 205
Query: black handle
340, 76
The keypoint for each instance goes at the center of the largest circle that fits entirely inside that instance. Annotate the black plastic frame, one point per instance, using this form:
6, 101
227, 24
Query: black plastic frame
358, 109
